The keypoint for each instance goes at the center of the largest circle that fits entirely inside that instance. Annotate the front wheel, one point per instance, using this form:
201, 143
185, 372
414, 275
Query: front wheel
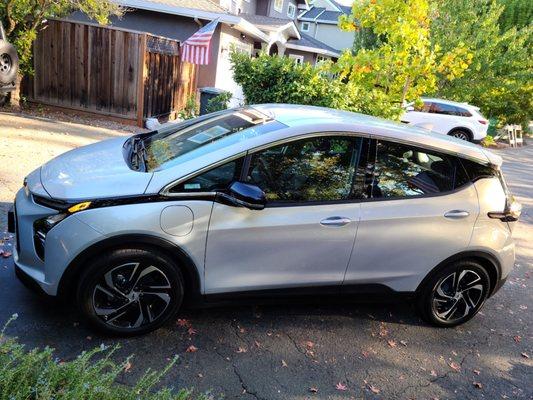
130, 291
455, 294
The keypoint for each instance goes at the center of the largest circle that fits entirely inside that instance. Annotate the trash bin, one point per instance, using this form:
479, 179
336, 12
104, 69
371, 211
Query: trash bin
206, 94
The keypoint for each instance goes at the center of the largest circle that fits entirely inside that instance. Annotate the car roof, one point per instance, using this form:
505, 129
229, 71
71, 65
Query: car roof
301, 116
450, 102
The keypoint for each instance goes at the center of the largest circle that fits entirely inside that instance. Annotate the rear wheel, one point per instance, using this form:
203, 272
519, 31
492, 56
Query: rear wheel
455, 294
130, 291
461, 134
8, 63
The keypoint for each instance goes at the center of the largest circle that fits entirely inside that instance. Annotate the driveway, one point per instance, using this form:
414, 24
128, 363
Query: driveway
295, 351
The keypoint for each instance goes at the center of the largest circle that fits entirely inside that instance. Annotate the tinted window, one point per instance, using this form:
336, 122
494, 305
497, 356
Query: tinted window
403, 171
463, 112
218, 178
425, 107
448, 109
307, 170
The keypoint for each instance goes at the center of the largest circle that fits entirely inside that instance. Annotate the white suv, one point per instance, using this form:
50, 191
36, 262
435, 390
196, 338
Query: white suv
461, 120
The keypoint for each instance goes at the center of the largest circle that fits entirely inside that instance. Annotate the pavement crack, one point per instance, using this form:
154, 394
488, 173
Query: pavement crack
244, 386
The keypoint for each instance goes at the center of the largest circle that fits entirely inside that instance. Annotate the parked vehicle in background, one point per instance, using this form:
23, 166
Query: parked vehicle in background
8, 67
461, 120
262, 201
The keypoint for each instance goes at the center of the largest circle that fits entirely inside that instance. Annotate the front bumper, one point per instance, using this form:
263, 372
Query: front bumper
63, 243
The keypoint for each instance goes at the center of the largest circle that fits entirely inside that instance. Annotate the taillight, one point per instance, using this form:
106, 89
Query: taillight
512, 209
482, 121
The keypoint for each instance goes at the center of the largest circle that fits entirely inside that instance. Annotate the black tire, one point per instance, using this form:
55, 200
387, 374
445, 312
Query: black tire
461, 134
9, 63
119, 281
436, 306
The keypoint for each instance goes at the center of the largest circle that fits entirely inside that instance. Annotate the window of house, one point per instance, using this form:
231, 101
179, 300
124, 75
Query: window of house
291, 10
298, 59
218, 178
404, 171
278, 5
305, 26
321, 59
308, 170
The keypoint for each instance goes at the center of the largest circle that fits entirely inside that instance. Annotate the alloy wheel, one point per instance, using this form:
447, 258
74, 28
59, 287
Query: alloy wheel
131, 295
458, 295
460, 135
5, 63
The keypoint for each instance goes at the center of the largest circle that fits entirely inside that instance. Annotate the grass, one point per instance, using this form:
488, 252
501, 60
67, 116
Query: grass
37, 374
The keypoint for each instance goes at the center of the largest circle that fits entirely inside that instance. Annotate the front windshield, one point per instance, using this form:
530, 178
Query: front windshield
202, 135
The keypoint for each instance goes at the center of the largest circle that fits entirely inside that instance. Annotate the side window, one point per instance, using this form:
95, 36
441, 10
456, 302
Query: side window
218, 178
425, 107
308, 170
445, 109
463, 112
404, 171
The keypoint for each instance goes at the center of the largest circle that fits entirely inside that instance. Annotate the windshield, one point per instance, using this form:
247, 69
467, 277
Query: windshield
202, 135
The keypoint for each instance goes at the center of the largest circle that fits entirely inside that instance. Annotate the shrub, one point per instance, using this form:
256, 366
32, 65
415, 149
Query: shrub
219, 102
37, 374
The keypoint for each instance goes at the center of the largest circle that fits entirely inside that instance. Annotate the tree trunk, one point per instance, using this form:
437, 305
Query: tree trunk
16, 93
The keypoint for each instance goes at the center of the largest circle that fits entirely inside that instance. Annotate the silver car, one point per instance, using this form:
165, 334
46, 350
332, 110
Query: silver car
261, 201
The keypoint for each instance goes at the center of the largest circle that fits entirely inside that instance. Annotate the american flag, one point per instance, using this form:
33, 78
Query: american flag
196, 49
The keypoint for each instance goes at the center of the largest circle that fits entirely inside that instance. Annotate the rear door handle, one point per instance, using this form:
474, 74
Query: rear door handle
335, 221
457, 214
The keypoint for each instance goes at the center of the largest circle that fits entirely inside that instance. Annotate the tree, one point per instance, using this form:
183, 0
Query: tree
401, 63
516, 13
23, 19
499, 78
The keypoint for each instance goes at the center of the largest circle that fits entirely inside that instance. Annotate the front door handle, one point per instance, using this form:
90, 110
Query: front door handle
457, 214
335, 221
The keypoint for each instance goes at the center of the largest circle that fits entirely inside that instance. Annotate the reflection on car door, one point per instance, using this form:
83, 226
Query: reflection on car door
305, 235
416, 218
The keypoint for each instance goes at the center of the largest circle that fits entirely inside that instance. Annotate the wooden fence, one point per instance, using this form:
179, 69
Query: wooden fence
109, 71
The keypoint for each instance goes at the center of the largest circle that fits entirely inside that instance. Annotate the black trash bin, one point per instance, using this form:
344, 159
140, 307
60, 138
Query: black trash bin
206, 94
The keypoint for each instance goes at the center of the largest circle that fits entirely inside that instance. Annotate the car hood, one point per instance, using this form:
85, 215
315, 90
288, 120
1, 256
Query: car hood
92, 172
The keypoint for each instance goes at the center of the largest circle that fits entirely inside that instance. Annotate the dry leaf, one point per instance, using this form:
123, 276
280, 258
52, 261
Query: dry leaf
200, 375
191, 331
241, 350
477, 385
456, 367
191, 349
313, 390
477, 372
309, 344
525, 355
391, 343
365, 353
127, 366
403, 342
340, 386
182, 322
283, 363
433, 373
6, 254
373, 389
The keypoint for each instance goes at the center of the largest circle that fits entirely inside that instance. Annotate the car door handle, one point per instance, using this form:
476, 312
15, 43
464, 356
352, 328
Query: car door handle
335, 221
457, 214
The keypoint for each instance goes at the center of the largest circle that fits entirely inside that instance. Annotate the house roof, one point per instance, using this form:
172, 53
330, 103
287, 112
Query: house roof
312, 45
271, 24
320, 14
312, 13
201, 9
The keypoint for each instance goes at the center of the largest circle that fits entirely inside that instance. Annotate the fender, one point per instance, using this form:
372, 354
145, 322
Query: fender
486, 259
188, 268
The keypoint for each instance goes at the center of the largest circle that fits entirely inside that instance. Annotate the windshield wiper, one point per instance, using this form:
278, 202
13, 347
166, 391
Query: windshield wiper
138, 154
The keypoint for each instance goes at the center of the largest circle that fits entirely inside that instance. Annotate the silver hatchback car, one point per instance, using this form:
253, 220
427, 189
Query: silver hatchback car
261, 201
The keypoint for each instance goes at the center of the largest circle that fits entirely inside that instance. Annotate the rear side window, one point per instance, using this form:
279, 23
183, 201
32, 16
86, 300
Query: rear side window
448, 109
475, 171
405, 171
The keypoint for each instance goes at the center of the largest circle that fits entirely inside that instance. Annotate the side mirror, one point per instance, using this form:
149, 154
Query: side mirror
409, 108
244, 195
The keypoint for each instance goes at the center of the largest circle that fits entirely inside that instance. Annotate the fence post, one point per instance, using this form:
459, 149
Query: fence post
141, 79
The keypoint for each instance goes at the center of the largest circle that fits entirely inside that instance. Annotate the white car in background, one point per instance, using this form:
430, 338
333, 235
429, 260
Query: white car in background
461, 120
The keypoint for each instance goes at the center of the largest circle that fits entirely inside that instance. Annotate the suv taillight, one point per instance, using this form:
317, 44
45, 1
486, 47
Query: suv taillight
482, 121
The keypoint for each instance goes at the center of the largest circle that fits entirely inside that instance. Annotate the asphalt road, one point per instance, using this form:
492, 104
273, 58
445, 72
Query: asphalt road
315, 351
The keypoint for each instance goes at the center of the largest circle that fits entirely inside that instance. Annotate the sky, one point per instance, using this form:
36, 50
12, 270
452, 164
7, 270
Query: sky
345, 2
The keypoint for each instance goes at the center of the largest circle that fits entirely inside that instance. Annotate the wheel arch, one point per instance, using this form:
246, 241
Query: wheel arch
462, 128
188, 268
487, 260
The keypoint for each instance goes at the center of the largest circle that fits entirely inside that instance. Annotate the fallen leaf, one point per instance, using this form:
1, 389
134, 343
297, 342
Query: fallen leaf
283, 363
365, 353
454, 353
373, 389
191, 349
391, 343
453, 365
241, 350
127, 366
525, 355
477, 372
183, 322
200, 375
517, 338
382, 330
309, 344
258, 344
191, 331
403, 342
6, 254
522, 307
340, 386
433, 373
313, 390
477, 385
242, 330
89, 338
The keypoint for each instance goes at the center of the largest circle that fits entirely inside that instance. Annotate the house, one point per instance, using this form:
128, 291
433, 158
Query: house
320, 22
247, 25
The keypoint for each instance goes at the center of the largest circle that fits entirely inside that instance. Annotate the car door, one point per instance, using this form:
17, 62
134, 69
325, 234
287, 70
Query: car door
416, 216
417, 115
444, 117
304, 235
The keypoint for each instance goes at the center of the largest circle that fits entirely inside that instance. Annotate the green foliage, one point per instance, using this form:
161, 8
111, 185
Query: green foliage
190, 110
23, 19
219, 102
499, 80
516, 13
